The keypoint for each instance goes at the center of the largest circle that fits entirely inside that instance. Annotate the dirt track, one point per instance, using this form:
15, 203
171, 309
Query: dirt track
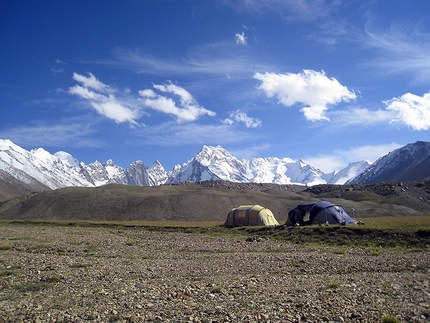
76, 274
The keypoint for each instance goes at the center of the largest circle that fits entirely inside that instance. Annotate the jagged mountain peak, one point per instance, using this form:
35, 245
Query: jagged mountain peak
67, 158
156, 163
408, 163
137, 162
109, 162
210, 154
210, 163
350, 171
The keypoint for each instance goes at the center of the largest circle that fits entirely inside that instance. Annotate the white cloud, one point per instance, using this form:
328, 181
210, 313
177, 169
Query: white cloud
326, 163
339, 158
115, 110
185, 96
84, 93
408, 109
250, 152
59, 67
103, 100
179, 134
405, 50
211, 60
411, 110
311, 88
239, 116
362, 116
66, 133
241, 39
188, 109
307, 10
91, 82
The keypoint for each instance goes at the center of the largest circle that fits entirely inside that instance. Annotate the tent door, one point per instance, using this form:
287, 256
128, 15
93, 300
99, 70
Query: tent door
307, 216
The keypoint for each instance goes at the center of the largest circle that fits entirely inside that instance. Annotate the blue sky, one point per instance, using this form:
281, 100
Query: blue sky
330, 82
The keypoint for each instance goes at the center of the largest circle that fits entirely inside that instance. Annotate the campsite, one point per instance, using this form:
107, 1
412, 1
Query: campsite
118, 254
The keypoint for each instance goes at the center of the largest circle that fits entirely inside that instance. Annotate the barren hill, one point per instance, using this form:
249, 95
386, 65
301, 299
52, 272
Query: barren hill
212, 200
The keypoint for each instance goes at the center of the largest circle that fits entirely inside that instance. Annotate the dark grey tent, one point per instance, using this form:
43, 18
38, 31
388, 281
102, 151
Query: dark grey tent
322, 212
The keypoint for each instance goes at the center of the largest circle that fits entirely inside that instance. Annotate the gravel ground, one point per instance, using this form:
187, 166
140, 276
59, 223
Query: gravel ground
78, 274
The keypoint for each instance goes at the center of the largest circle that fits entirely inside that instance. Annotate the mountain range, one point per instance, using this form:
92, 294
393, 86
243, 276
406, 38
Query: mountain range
38, 169
406, 164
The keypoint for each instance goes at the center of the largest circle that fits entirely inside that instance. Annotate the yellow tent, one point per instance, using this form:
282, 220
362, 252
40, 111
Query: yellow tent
245, 215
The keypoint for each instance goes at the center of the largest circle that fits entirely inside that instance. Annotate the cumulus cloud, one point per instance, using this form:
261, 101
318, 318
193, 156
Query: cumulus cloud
239, 116
241, 39
187, 108
103, 100
310, 88
411, 110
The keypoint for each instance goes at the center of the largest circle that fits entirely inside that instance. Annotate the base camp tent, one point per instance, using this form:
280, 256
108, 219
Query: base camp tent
250, 215
322, 212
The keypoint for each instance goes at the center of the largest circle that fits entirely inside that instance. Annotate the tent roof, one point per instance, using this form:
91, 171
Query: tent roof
320, 206
247, 207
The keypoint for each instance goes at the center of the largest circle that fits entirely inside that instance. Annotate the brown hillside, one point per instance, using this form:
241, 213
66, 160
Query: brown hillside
212, 200
189, 202
10, 187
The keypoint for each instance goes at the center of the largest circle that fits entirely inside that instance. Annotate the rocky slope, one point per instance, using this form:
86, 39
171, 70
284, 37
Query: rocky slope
408, 163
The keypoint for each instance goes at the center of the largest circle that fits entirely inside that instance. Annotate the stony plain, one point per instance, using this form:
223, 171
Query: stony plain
117, 274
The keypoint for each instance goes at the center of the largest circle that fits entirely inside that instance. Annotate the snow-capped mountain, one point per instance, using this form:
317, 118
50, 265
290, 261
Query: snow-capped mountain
350, 171
136, 174
38, 165
157, 174
210, 163
408, 163
214, 163
62, 169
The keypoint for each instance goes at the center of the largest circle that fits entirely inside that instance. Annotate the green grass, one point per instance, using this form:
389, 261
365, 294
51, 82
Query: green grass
389, 319
6, 273
91, 248
80, 265
6, 247
404, 223
9, 271
396, 232
36, 286
333, 285
340, 252
119, 224
216, 290
114, 318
